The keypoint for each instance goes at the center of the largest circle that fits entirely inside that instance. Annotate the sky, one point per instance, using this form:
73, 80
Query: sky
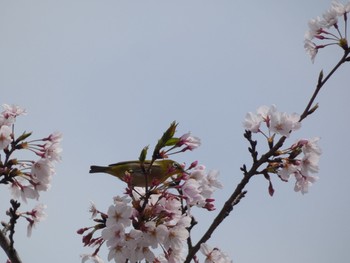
112, 75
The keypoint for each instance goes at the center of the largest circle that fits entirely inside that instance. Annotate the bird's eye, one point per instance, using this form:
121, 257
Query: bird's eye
176, 165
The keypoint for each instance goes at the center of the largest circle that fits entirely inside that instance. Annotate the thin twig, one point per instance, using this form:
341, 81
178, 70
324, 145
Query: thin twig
321, 83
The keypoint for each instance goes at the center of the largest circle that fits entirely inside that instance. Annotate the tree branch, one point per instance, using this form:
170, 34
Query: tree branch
9, 250
233, 199
239, 192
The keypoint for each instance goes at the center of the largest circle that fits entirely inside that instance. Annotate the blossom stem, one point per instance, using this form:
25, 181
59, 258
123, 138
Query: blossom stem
337, 28
346, 25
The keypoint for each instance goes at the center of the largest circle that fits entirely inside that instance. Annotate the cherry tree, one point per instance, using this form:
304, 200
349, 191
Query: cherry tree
153, 222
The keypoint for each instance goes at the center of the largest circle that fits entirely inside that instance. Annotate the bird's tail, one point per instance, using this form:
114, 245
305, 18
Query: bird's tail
97, 169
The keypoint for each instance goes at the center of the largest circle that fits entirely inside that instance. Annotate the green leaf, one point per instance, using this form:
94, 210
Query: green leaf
162, 142
172, 141
143, 154
170, 132
23, 137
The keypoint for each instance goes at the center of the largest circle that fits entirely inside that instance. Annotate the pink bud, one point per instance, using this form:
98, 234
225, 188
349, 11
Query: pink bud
81, 230
194, 164
209, 207
87, 238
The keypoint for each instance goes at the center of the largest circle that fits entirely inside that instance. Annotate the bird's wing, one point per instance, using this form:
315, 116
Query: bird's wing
131, 162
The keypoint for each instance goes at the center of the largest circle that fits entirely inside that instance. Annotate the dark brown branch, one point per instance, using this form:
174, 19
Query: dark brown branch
7, 243
13, 219
9, 250
233, 199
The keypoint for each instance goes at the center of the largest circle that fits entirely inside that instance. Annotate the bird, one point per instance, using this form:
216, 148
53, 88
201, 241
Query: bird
158, 173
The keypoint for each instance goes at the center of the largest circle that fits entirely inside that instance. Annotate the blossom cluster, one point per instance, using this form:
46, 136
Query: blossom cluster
136, 227
277, 122
300, 168
163, 225
320, 29
286, 163
199, 186
152, 223
27, 178
7, 119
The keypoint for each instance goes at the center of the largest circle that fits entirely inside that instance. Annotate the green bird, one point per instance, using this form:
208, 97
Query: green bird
157, 174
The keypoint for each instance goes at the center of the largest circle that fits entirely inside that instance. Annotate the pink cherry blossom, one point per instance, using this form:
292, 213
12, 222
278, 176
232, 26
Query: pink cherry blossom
265, 111
309, 163
119, 214
52, 151
114, 235
117, 253
175, 238
303, 182
93, 258
93, 210
252, 122
42, 172
213, 255
311, 146
310, 48
21, 191
287, 170
283, 123
320, 29
13, 110
191, 142
55, 137
213, 181
35, 216
5, 136
340, 8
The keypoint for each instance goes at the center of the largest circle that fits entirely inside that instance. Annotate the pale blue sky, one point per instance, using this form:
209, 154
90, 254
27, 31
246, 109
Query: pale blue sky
112, 75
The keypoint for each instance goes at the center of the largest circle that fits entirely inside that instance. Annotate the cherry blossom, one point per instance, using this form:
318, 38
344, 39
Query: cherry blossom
119, 214
35, 216
5, 136
23, 192
42, 172
26, 178
283, 123
303, 182
340, 8
320, 29
52, 151
311, 49
311, 146
13, 110
191, 142
93, 258
277, 122
252, 122
213, 255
